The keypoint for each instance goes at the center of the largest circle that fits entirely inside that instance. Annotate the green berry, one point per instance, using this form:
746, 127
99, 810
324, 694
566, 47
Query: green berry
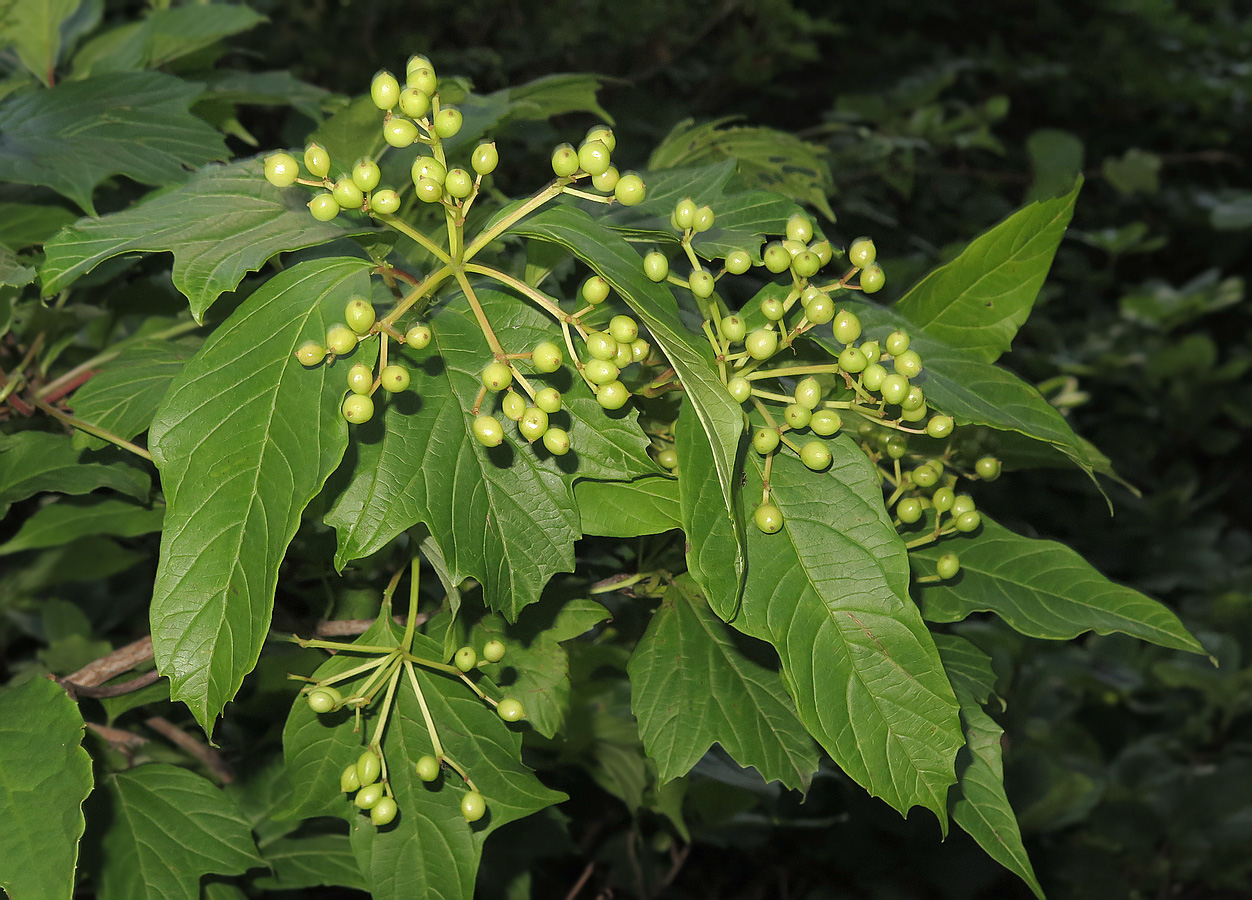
734, 329
825, 422
281, 170
548, 399
310, 353
385, 90
685, 212
414, 102
624, 329
947, 566
939, 426
701, 283
556, 440
776, 258
846, 327
612, 395
360, 379
872, 279
762, 343
427, 768
942, 499
493, 651
630, 190
465, 659
324, 700
738, 262
897, 446
384, 202
349, 781
496, 376
394, 379
768, 518
915, 399
428, 167
428, 190
668, 458
473, 806
806, 264
912, 415
458, 183
418, 336
797, 416
896, 343
487, 431
862, 253
369, 795
421, 77
873, 375
962, 503
600, 371
852, 360
347, 194
399, 132
894, 388
546, 357
485, 159
794, 248
368, 767
773, 308
765, 440
511, 710
358, 408
823, 250
533, 424
925, 476
384, 812
815, 455
909, 510
987, 468
366, 175
821, 310
448, 122
323, 207
340, 339
603, 134
595, 290
656, 266
415, 62
359, 314
968, 521
799, 228
607, 180
639, 350
871, 350
908, 363
564, 160
317, 160
703, 219
808, 393
740, 388
593, 158
513, 406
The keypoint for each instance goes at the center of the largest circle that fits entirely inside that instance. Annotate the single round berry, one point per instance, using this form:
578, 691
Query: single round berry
310, 353
765, 440
806, 264
808, 392
358, 408
595, 290
915, 399
458, 183
465, 659
908, 363
968, 521
913, 415
947, 566
668, 458
366, 175
384, 202
624, 329
422, 77
738, 262
656, 266
384, 812
639, 350
593, 158
872, 279
399, 132
485, 159
623, 357
324, 700
340, 339
987, 468
612, 395
493, 651
734, 329
925, 475
630, 190
415, 62
548, 399
862, 253
317, 160
600, 371
511, 710
799, 228
448, 122
428, 167
513, 406
762, 343
846, 327
825, 422
821, 310
871, 350
962, 503
939, 426
794, 248
701, 283
385, 90
324, 207
368, 767
488, 431
685, 212
897, 446
533, 424
496, 376
281, 170
556, 440
942, 499
564, 160
740, 388
418, 336
815, 455
873, 375
776, 258
349, 781
703, 219
359, 314
823, 250
428, 190
414, 102
768, 518
546, 357
394, 379
852, 360
347, 194
894, 388
369, 795
909, 510
360, 379
773, 308
607, 180
473, 806
797, 416
896, 343
603, 134
427, 768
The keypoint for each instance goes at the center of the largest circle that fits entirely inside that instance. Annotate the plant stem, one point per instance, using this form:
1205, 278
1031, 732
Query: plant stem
112, 353
542, 300
416, 236
406, 643
488, 235
421, 701
485, 326
95, 430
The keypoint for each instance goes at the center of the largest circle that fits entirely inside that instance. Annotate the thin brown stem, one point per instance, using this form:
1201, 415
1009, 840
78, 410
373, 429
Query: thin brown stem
211, 759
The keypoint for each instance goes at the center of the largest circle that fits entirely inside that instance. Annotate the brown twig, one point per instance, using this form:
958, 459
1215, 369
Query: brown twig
203, 752
348, 627
117, 737
114, 690
98, 671
582, 880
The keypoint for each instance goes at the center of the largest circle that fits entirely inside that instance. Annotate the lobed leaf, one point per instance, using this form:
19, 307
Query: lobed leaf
161, 37
647, 505
33, 29
244, 440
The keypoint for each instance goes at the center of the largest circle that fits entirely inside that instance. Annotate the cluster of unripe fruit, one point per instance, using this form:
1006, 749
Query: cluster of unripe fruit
593, 157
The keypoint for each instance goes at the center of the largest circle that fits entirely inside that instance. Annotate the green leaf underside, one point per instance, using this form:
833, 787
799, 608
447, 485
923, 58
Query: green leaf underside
35, 461
314, 860
430, 851
622, 267
24, 224
647, 505
1045, 590
692, 686
162, 37
45, 775
168, 828
123, 396
979, 300
978, 802
245, 438
75, 135
505, 515
715, 539
70, 519
829, 591
223, 223
33, 28
974, 392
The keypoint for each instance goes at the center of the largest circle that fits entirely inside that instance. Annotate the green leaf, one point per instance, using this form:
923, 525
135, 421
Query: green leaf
12, 272
830, 592
1042, 589
45, 775
978, 803
608, 254
33, 29
1056, 159
1135, 172
223, 223
75, 135
979, 300
692, 684
505, 516
123, 395
764, 157
25, 224
279, 88
164, 36
167, 828
307, 861
244, 440
35, 461
646, 505
715, 539
70, 519
557, 95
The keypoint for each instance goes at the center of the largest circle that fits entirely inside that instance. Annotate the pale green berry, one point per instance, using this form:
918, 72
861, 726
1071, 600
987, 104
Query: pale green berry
347, 194
624, 329
485, 159
385, 90
366, 175
281, 170
533, 424
414, 103
846, 327
815, 455
487, 431
762, 343
340, 339
607, 180
797, 416
357, 408
564, 160
496, 376
765, 440
394, 379
601, 345
324, 207
825, 422
556, 440
513, 406
595, 290
612, 395
360, 379
872, 279
548, 399
862, 253
740, 388
384, 202
656, 266
317, 160
768, 518
734, 329
399, 132
738, 262
448, 122
418, 336
593, 158
939, 426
